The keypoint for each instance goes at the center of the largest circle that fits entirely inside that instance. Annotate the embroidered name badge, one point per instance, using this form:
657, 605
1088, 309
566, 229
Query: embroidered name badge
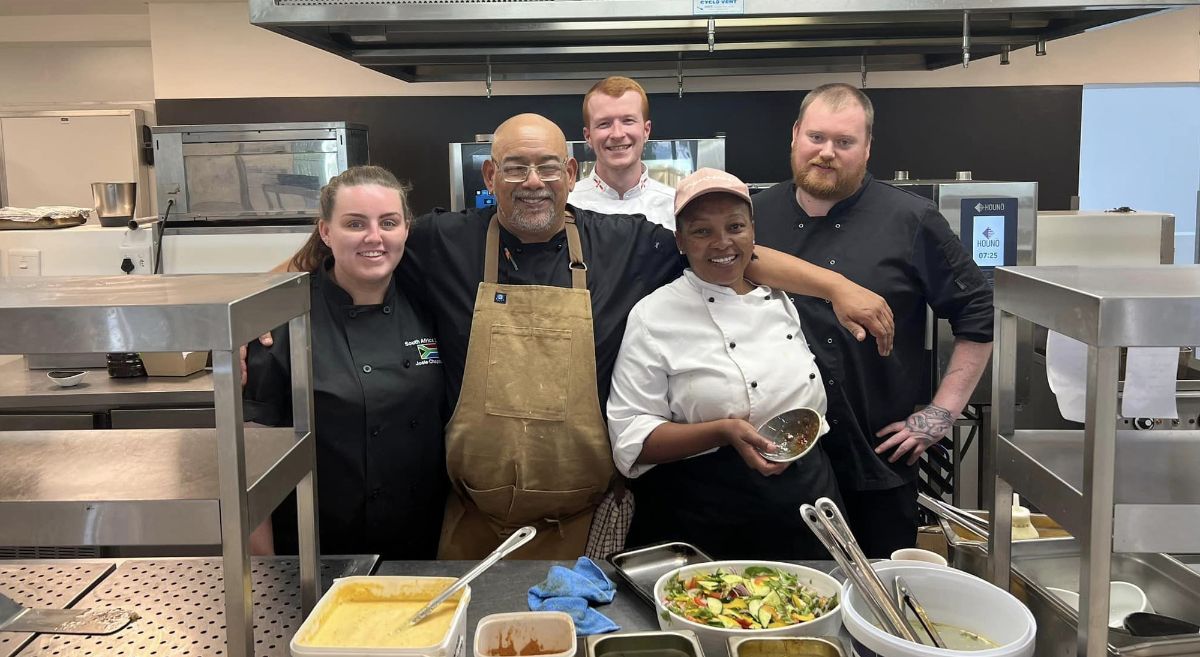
501, 297
427, 351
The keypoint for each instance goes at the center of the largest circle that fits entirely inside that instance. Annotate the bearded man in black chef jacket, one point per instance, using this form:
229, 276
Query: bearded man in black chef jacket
835, 214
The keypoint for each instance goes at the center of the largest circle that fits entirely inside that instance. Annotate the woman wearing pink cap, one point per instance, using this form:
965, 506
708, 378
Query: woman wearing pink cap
705, 360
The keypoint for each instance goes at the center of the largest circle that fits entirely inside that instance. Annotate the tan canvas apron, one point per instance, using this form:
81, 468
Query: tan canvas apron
527, 444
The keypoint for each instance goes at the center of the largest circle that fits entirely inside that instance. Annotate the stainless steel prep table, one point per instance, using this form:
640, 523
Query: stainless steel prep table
178, 602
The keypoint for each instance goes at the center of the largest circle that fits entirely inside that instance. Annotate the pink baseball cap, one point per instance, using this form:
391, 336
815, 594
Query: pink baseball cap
706, 181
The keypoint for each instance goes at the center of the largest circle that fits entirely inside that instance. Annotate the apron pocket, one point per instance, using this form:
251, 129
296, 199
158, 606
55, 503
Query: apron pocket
533, 506
528, 371
496, 503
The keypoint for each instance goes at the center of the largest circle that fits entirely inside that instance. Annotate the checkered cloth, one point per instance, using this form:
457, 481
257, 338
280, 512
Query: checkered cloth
610, 524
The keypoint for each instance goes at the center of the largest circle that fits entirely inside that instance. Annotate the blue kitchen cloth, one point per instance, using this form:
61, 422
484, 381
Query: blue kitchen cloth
572, 591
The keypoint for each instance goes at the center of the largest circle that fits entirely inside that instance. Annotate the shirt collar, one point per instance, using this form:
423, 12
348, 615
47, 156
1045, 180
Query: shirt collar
335, 295
842, 205
604, 188
704, 286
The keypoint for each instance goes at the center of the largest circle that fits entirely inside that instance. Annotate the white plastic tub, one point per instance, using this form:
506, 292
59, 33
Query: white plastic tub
544, 633
452, 643
950, 597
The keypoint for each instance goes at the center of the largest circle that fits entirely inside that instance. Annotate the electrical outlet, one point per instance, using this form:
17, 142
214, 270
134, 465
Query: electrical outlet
24, 262
137, 258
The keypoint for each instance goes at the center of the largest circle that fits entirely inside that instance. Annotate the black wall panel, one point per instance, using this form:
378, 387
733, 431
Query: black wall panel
999, 133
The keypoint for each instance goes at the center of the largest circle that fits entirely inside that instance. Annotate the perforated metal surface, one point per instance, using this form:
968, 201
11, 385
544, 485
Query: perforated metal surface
181, 608
53, 586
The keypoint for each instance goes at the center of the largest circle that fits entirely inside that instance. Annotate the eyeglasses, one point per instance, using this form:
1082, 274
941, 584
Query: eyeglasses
519, 173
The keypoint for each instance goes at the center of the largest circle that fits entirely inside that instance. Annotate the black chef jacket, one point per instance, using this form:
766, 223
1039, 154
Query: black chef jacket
899, 246
379, 408
627, 257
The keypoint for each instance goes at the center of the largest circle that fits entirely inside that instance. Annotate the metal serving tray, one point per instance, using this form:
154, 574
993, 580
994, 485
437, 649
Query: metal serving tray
1172, 588
645, 644
642, 567
785, 646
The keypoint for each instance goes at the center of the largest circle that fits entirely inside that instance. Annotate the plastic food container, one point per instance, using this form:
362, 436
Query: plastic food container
544, 633
405, 588
950, 597
713, 639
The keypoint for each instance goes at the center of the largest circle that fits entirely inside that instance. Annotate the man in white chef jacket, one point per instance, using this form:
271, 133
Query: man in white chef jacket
616, 124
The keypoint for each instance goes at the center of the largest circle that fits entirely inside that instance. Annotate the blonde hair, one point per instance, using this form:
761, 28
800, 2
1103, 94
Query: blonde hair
615, 86
314, 252
837, 95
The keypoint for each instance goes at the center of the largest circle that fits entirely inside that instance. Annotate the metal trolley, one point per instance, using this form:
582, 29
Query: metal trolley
1116, 491
164, 486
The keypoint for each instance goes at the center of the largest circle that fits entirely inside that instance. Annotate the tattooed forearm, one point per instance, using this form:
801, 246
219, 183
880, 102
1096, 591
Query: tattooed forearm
930, 424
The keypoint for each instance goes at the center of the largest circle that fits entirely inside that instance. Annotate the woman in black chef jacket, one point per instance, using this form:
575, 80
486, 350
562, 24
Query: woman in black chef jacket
704, 360
379, 396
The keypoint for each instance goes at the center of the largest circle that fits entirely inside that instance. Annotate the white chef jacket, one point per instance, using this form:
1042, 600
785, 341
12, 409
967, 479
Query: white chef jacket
648, 197
695, 352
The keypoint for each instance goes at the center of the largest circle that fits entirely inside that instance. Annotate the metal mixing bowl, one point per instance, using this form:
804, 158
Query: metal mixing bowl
794, 434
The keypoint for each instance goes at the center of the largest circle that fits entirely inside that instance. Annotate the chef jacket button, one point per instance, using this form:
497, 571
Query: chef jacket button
711, 300
832, 261
413, 424
520, 250
799, 225
754, 384
812, 376
387, 310
827, 301
831, 382
407, 363
558, 247
353, 314
767, 298
376, 492
835, 420
374, 432
732, 345
367, 369
789, 336
837, 225
828, 340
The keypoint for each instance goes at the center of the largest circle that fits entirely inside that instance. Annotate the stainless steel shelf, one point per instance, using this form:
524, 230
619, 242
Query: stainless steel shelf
1107, 306
1155, 485
26, 389
165, 486
157, 486
178, 602
145, 313
1115, 491
45, 585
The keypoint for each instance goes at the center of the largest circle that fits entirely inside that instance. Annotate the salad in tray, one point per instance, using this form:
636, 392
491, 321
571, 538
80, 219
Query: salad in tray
758, 598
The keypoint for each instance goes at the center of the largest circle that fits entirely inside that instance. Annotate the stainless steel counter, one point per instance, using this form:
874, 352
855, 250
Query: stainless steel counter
45, 585
31, 390
179, 601
158, 487
180, 605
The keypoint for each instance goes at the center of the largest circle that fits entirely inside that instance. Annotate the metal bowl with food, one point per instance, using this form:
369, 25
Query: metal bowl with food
726, 599
794, 433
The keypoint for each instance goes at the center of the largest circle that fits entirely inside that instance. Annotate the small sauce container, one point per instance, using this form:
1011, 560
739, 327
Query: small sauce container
525, 634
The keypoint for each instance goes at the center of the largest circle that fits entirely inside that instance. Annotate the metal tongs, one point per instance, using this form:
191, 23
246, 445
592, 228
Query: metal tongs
825, 520
908, 601
953, 514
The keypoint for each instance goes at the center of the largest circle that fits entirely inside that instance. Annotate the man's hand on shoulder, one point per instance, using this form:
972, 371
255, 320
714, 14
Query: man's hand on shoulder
861, 311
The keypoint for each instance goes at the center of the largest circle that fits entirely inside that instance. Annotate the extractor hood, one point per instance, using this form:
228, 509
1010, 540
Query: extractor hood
445, 40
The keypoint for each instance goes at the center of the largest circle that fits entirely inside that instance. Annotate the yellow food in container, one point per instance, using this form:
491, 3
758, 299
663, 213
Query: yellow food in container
367, 616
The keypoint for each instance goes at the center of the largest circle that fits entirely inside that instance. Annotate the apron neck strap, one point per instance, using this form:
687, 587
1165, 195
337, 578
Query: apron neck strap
491, 257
